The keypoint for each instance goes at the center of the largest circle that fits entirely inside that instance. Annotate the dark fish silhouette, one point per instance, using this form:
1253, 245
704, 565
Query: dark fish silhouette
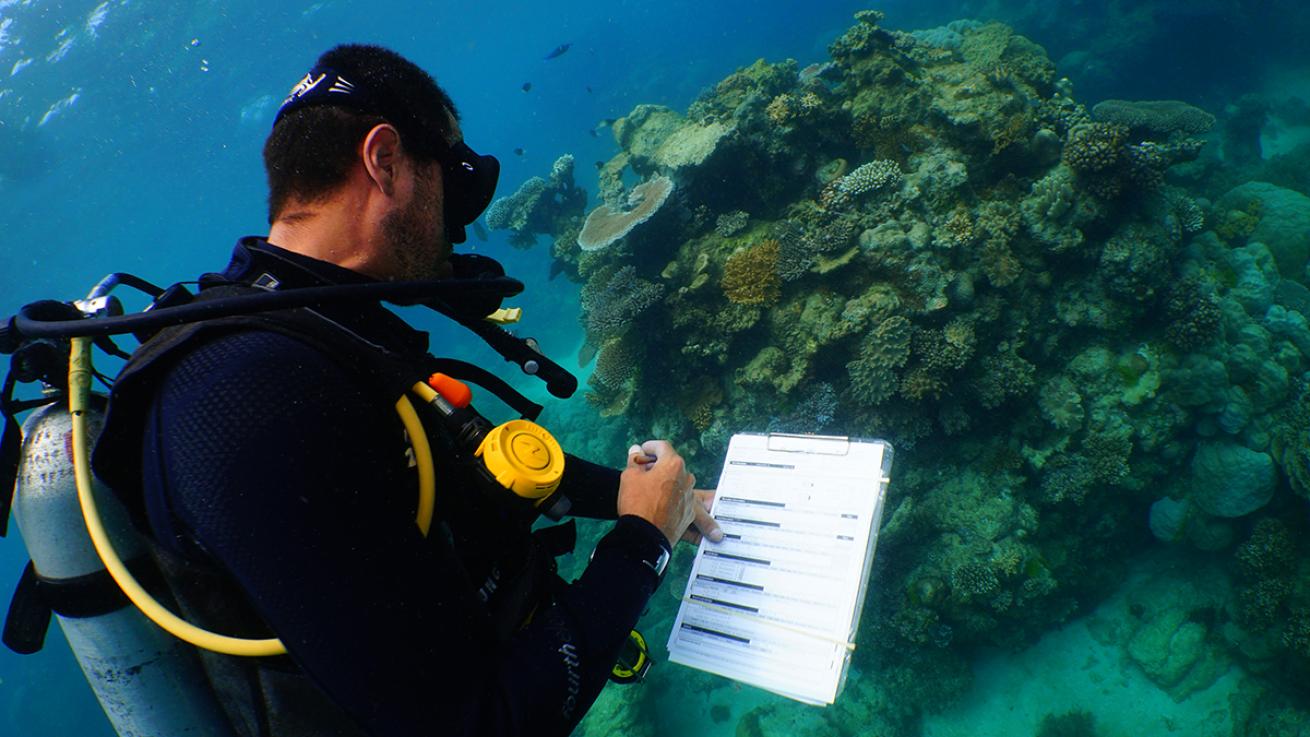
593, 133
527, 87
600, 164
479, 231
557, 51
518, 151
588, 89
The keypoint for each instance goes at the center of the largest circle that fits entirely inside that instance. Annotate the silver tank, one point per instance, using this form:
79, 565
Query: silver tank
149, 683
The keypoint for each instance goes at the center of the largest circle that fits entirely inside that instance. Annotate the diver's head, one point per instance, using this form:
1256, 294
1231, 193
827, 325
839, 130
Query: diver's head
369, 130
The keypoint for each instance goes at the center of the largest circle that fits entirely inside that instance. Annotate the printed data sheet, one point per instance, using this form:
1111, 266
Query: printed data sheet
776, 604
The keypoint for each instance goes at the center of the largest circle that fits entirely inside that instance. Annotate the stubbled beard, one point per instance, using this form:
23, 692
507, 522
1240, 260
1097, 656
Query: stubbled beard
416, 237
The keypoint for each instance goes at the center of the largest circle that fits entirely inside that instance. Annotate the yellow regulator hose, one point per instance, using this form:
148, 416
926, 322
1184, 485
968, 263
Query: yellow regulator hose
79, 392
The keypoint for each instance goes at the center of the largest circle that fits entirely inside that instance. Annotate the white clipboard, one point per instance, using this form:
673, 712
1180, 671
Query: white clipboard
777, 603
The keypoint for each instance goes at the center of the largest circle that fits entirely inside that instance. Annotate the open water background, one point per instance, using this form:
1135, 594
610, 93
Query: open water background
130, 133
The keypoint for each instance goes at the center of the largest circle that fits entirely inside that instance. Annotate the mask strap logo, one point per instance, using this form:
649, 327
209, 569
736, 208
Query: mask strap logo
303, 87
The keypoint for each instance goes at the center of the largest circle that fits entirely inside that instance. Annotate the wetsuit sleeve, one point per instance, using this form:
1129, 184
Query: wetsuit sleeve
593, 488
267, 455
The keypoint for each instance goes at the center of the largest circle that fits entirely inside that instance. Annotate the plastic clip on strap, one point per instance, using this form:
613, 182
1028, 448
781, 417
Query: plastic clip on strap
37, 597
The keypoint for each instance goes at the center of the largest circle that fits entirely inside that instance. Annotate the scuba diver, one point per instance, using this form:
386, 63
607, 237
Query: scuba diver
260, 454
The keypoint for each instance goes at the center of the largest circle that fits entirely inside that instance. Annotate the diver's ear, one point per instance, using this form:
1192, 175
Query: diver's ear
381, 154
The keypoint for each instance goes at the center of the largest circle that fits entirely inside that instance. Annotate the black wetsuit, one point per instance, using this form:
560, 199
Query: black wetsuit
269, 459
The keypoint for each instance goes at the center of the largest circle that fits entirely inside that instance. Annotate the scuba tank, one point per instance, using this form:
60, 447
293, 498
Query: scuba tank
147, 682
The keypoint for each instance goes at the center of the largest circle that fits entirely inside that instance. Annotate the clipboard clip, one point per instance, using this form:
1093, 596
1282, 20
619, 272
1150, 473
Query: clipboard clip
833, 445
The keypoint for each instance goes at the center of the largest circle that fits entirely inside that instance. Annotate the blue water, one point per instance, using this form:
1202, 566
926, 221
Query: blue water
130, 133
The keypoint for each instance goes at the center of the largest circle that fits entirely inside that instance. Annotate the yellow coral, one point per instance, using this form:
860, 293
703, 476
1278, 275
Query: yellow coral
958, 230
920, 383
1235, 226
781, 110
959, 333
750, 277
1014, 131
698, 404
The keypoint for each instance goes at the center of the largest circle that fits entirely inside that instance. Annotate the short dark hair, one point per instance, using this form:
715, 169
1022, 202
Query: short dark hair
311, 149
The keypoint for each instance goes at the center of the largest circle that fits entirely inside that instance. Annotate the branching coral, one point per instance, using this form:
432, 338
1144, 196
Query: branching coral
611, 304
1296, 636
1094, 152
1003, 376
974, 579
871, 178
921, 383
948, 349
1194, 316
1094, 147
731, 223
539, 206
1135, 260
1067, 478
1268, 552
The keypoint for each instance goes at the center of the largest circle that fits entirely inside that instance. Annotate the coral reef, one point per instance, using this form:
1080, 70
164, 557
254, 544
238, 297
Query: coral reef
540, 206
1074, 352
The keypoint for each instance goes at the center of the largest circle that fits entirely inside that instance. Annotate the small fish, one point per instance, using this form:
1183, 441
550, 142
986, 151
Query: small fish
607, 122
589, 89
479, 231
593, 133
518, 151
557, 51
600, 164
527, 87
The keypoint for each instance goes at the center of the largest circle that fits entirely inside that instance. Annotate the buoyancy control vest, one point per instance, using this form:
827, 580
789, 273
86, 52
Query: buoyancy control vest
509, 567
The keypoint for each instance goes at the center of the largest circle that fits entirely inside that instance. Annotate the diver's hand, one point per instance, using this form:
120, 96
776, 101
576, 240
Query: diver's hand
657, 487
704, 525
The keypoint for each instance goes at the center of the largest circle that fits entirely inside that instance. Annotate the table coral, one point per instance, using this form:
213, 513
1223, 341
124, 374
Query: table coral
605, 225
1158, 117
